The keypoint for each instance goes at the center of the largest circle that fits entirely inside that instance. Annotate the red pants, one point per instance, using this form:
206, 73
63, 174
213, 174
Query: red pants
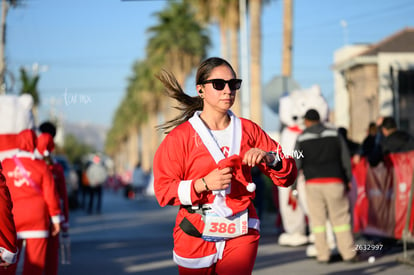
238, 258
34, 258
52, 255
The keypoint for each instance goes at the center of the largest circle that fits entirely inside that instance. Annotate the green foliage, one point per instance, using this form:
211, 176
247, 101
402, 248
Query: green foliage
74, 149
177, 43
29, 85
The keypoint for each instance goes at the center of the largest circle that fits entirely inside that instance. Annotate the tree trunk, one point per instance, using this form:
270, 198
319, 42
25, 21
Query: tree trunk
156, 137
132, 147
147, 155
255, 58
123, 160
287, 39
234, 58
224, 43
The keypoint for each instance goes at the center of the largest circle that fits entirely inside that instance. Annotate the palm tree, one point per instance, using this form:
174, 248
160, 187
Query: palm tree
123, 136
233, 24
29, 86
177, 43
226, 14
148, 95
118, 138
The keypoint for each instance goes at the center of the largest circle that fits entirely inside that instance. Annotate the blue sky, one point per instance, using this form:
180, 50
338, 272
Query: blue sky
85, 48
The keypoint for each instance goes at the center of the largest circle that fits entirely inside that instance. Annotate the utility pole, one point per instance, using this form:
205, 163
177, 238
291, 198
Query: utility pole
245, 91
287, 39
4, 9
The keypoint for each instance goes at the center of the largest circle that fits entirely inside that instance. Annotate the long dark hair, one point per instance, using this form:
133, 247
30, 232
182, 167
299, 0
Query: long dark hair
188, 104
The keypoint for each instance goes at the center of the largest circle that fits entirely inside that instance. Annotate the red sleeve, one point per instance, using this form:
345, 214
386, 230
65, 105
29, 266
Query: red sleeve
169, 170
7, 227
60, 182
286, 173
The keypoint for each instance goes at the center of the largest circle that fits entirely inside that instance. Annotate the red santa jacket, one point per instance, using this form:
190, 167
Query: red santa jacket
8, 238
45, 146
189, 153
33, 192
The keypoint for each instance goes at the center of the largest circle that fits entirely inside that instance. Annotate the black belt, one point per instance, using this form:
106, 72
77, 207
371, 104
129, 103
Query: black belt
199, 209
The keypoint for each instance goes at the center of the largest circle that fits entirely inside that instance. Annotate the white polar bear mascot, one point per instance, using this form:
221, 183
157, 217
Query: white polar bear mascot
16, 115
292, 108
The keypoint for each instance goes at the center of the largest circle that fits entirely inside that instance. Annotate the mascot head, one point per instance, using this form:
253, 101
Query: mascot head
16, 115
293, 106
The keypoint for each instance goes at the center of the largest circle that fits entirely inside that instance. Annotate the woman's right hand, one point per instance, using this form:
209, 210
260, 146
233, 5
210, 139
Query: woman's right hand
218, 179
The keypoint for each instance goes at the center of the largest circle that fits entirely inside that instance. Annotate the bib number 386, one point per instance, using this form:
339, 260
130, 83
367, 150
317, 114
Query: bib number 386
225, 228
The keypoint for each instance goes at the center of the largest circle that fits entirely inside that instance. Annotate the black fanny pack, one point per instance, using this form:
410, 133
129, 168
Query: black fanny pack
186, 225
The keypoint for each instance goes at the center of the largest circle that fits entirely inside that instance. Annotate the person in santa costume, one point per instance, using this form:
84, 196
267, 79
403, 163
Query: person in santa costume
8, 239
203, 166
35, 202
45, 146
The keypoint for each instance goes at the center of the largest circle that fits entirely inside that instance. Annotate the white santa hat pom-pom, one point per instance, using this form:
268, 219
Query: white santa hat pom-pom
251, 187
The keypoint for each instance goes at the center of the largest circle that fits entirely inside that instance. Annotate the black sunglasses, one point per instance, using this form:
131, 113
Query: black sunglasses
219, 84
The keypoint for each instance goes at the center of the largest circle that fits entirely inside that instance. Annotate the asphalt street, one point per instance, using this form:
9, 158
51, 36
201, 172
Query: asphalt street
135, 237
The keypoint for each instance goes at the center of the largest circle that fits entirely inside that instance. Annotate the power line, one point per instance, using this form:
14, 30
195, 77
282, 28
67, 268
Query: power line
360, 17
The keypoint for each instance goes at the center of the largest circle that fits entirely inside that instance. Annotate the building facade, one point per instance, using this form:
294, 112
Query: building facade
375, 80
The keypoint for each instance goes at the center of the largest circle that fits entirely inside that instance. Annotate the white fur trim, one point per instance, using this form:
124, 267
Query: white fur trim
206, 137
37, 154
194, 262
57, 219
220, 207
8, 153
33, 234
220, 250
219, 204
25, 154
184, 192
8, 256
251, 187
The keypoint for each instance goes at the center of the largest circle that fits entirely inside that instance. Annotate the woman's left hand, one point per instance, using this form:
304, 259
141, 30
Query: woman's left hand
55, 228
254, 156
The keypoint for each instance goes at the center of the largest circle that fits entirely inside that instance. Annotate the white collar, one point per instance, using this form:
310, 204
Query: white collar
210, 142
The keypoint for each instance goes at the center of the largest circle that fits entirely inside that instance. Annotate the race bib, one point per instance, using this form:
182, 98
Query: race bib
219, 228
